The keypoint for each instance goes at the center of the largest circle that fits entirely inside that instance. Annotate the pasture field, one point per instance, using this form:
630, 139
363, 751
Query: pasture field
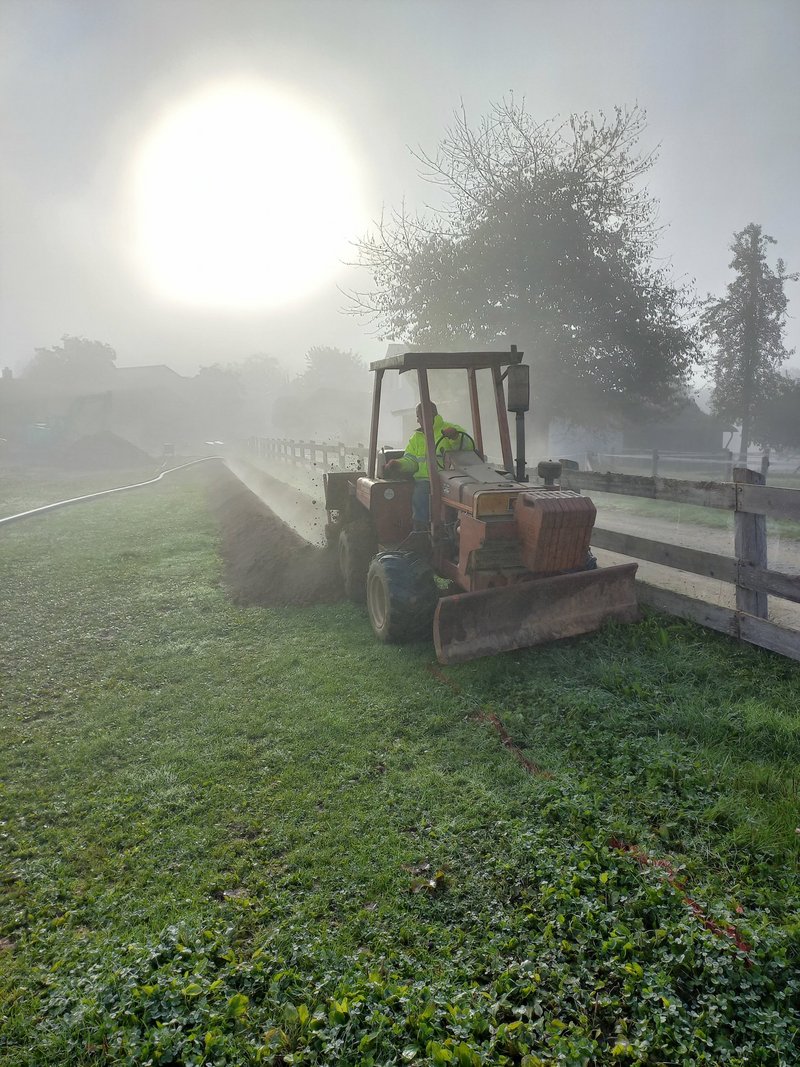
235, 835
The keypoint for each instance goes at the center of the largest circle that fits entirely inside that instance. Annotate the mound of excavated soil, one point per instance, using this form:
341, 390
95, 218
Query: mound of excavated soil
265, 561
103, 451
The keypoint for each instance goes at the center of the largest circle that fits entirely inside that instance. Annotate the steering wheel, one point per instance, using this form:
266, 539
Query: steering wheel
462, 435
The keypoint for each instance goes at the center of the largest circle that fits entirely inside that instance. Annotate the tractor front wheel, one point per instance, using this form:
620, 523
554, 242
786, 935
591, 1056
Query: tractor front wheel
356, 548
401, 596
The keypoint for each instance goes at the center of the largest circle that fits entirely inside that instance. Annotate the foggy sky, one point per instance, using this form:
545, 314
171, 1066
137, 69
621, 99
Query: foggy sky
81, 81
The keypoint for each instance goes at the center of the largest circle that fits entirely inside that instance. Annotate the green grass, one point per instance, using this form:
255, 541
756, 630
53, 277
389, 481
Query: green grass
247, 835
24, 489
786, 480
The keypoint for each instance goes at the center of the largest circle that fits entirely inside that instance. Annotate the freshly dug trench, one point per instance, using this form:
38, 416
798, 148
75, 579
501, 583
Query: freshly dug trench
265, 561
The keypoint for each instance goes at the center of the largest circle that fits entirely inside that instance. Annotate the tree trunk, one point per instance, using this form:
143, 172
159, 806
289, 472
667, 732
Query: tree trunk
744, 444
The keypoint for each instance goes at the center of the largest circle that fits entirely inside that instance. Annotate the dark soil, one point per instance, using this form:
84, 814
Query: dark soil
103, 451
266, 562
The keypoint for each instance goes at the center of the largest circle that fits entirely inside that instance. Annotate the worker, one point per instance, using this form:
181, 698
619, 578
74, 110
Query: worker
447, 436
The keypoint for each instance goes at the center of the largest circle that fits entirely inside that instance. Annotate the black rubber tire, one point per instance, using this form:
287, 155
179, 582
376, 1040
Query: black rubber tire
401, 596
357, 546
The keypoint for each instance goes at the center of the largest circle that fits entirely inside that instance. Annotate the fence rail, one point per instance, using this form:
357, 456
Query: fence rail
752, 502
327, 456
747, 496
655, 462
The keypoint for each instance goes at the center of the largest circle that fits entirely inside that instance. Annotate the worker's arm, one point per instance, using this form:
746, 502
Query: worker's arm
452, 433
409, 464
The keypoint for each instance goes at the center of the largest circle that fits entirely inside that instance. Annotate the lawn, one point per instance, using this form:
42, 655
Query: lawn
21, 490
246, 835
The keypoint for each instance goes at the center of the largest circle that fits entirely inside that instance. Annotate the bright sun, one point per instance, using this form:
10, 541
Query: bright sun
244, 198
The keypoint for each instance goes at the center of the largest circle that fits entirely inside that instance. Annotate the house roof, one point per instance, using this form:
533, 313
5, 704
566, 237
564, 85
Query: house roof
150, 376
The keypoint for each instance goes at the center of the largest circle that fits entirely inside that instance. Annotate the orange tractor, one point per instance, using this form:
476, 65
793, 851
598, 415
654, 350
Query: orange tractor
514, 557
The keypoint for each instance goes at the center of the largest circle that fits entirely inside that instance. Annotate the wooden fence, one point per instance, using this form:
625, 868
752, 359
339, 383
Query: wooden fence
747, 496
659, 462
326, 457
752, 502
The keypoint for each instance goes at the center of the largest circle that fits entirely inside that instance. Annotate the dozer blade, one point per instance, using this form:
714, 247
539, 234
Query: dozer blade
469, 625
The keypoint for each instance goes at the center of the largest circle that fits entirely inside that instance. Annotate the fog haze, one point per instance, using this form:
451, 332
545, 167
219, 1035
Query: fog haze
84, 82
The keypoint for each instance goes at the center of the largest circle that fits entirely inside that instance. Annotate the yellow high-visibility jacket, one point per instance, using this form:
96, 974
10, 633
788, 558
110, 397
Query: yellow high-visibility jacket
414, 458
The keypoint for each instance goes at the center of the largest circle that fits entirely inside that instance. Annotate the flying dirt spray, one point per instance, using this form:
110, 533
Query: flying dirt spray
265, 561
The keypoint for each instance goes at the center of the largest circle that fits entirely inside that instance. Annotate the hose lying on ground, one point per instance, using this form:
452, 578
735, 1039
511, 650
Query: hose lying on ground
265, 562
104, 492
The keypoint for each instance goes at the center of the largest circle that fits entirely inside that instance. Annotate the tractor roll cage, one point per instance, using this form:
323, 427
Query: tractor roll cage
422, 362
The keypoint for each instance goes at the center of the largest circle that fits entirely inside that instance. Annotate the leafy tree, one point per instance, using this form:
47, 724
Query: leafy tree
75, 363
545, 239
776, 421
260, 373
745, 332
329, 400
331, 368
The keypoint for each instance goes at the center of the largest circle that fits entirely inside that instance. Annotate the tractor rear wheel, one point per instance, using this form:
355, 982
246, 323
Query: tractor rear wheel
401, 596
356, 548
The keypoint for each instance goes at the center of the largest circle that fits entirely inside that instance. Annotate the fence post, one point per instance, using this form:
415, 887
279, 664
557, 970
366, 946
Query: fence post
750, 545
324, 457
727, 456
655, 463
765, 462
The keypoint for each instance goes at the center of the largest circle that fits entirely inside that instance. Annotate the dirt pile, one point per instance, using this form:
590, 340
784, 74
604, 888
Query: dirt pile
265, 561
103, 451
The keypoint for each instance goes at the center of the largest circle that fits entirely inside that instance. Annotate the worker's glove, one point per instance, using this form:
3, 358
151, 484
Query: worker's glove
450, 432
393, 469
